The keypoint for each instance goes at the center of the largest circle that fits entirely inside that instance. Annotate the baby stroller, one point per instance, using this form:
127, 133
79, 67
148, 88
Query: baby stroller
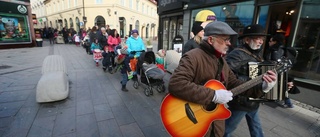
150, 74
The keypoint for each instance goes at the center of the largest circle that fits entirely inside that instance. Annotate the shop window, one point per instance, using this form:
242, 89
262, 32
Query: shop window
307, 42
14, 29
237, 15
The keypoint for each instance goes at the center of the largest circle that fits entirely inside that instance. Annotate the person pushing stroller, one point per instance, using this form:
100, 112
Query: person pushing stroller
135, 47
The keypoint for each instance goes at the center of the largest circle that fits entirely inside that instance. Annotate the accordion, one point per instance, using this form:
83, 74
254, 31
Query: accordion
278, 91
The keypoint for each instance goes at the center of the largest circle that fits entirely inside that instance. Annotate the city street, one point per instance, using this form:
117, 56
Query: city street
96, 106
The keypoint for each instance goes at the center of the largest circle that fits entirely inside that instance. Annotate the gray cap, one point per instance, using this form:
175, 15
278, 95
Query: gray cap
218, 28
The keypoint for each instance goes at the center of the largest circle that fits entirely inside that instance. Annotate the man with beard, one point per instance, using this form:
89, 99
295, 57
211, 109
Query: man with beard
246, 104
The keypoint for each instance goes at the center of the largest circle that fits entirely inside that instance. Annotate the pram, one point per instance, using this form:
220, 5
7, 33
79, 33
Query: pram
149, 74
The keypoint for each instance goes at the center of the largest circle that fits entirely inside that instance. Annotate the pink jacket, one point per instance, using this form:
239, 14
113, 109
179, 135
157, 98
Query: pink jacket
112, 42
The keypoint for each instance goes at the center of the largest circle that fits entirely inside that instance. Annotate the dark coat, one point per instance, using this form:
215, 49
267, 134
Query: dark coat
238, 62
195, 68
125, 65
191, 44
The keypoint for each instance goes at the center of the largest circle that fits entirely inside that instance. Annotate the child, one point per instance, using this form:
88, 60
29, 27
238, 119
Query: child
77, 40
95, 48
125, 70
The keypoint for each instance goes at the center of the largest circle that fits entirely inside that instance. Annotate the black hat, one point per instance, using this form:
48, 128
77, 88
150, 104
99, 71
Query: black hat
253, 30
196, 28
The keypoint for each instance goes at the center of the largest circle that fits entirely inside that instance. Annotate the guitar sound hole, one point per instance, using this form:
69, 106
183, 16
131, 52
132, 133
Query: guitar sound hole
211, 107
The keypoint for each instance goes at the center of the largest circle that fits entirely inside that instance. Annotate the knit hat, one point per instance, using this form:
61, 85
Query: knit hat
134, 31
253, 30
218, 28
205, 15
196, 28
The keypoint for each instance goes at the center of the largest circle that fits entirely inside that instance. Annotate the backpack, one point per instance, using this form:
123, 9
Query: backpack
291, 54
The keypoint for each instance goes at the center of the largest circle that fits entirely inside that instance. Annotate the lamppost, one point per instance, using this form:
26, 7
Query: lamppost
84, 16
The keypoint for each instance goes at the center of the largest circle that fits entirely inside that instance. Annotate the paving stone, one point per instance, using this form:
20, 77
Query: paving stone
67, 135
144, 116
65, 122
103, 112
31, 100
283, 132
12, 96
32, 87
87, 126
6, 121
83, 94
122, 115
109, 128
10, 109
47, 110
131, 130
114, 100
22, 122
42, 127
155, 130
84, 107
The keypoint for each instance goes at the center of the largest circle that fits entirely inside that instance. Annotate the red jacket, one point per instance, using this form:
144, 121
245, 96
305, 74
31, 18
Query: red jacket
112, 42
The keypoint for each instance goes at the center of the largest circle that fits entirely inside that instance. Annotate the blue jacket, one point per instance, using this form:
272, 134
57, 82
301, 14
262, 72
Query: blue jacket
95, 46
135, 45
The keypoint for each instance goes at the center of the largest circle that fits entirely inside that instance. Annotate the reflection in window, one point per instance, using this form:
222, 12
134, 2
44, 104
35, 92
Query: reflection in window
13, 29
307, 42
165, 34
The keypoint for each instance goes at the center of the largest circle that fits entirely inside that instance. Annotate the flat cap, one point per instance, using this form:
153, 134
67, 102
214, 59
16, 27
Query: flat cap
218, 28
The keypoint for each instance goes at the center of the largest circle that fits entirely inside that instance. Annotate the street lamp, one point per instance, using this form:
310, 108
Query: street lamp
84, 15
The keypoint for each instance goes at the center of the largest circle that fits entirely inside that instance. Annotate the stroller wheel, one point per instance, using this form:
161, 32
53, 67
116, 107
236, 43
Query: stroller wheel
147, 91
161, 88
135, 84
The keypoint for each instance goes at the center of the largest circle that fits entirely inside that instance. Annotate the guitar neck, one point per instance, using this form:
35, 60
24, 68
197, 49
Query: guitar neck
245, 86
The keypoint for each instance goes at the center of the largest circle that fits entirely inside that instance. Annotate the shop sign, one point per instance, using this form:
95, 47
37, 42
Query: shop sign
13, 8
167, 5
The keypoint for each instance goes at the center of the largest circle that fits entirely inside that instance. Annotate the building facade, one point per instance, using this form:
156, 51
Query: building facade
298, 20
39, 10
123, 15
16, 29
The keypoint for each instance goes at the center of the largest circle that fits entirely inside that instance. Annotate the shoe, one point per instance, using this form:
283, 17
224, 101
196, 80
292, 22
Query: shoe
124, 88
104, 69
97, 64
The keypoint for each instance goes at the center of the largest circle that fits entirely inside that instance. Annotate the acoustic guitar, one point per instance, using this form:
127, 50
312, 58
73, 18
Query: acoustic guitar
186, 119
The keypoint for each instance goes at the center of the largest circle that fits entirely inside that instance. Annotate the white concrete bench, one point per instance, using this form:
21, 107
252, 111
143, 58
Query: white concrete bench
54, 63
53, 84
172, 60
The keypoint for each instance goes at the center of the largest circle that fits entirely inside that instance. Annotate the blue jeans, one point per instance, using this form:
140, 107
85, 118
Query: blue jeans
124, 79
253, 122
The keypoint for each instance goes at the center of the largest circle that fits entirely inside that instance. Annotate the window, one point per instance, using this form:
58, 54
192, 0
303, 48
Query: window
137, 6
75, 3
142, 10
130, 4
62, 3
147, 10
98, 1
14, 29
123, 2
69, 4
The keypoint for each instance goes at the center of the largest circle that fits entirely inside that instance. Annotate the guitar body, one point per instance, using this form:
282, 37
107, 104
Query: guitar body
177, 122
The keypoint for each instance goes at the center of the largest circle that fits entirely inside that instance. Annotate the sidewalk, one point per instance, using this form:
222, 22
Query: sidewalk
97, 107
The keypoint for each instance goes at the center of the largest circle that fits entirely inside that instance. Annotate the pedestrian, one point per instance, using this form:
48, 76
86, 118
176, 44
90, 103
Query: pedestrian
125, 69
96, 50
51, 35
77, 40
135, 47
114, 40
246, 104
193, 43
199, 65
93, 34
274, 53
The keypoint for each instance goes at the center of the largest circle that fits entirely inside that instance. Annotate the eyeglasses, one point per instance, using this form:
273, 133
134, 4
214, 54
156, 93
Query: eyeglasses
224, 39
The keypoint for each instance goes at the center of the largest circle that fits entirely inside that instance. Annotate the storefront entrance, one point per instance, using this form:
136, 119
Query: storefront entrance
172, 27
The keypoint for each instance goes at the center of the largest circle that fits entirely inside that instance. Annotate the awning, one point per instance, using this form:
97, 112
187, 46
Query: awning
42, 19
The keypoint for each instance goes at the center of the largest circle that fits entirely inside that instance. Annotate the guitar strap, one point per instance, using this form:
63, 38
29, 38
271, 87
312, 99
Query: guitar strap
258, 58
